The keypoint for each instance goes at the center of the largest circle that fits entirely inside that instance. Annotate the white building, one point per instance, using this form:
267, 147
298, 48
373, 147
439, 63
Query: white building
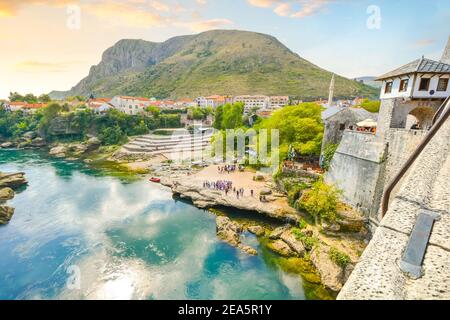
130, 105
213, 101
420, 79
250, 102
277, 102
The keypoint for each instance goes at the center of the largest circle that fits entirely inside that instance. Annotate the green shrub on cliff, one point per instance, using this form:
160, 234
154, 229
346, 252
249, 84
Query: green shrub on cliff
321, 201
338, 257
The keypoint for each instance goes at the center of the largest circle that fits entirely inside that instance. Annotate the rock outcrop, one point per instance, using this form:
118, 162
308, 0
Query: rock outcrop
281, 247
58, 151
333, 276
209, 198
6, 194
230, 232
6, 214
7, 145
12, 180
293, 243
257, 230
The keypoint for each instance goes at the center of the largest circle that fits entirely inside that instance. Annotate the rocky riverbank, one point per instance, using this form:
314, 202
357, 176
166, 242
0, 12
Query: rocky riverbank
9, 182
319, 259
327, 252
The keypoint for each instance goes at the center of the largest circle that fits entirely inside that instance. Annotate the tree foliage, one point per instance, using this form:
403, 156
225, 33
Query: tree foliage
229, 116
300, 126
321, 201
371, 105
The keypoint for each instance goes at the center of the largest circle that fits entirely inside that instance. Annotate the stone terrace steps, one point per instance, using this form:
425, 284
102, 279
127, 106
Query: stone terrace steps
427, 186
152, 144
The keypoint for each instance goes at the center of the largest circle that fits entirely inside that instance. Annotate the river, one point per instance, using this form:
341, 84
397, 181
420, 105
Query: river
81, 233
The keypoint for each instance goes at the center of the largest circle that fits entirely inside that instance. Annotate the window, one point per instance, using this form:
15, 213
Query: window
403, 85
342, 126
424, 84
442, 84
388, 88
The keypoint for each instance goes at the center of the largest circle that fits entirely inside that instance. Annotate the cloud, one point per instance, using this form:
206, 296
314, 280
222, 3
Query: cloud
40, 66
421, 43
12, 7
292, 8
205, 25
202, 2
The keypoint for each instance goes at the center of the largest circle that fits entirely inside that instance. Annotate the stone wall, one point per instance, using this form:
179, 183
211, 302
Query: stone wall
426, 186
356, 168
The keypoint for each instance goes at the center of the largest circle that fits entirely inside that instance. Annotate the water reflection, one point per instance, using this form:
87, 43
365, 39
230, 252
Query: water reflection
129, 240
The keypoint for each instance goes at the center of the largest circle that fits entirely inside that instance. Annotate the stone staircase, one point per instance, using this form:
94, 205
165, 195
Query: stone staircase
426, 187
155, 144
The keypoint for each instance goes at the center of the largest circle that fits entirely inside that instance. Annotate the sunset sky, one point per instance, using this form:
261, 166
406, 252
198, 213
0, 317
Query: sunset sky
44, 46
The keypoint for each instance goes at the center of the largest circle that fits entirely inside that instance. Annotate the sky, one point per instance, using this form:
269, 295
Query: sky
50, 45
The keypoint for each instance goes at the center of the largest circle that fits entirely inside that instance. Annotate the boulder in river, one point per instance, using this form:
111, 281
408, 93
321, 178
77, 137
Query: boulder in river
30, 135
7, 145
12, 180
280, 247
296, 245
6, 194
6, 214
228, 230
247, 249
37, 142
257, 230
58, 151
275, 234
93, 144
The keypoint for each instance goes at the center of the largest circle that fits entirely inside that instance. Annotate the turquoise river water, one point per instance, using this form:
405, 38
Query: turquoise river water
79, 233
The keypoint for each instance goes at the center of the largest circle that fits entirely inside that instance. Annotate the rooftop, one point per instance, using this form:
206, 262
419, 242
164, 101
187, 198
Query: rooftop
422, 65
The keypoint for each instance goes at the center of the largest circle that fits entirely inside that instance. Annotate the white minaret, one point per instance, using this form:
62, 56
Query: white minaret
331, 95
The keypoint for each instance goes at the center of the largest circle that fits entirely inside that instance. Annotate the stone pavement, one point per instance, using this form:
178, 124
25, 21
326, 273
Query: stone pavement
426, 186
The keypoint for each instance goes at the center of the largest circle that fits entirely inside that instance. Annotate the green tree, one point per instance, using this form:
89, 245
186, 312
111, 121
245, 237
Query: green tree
218, 117
328, 154
15, 96
300, 126
30, 98
232, 116
321, 201
112, 135
44, 98
154, 111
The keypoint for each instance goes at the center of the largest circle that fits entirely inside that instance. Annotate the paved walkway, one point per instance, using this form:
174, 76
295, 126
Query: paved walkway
427, 186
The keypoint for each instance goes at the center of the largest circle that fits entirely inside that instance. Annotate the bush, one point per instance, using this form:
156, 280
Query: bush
328, 155
340, 258
112, 135
321, 201
308, 242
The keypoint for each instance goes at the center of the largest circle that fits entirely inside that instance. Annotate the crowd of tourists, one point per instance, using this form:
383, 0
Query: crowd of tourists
227, 187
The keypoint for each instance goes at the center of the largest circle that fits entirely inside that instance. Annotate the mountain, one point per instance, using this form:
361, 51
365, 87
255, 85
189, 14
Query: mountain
213, 62
370, 81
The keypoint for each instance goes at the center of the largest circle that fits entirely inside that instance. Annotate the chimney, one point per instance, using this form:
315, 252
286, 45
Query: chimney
446, 56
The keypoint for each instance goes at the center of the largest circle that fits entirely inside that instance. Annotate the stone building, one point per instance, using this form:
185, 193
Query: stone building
338, 119
365, 163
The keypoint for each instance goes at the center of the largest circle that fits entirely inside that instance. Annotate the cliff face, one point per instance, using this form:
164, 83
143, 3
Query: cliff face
220, 61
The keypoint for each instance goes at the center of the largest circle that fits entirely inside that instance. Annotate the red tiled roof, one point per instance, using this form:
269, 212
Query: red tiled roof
34, 105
